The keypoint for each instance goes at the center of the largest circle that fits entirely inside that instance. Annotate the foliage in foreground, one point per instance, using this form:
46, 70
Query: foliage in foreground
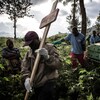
83, 84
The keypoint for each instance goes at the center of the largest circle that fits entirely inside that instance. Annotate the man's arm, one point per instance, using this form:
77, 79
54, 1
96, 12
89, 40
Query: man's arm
54, 61
83, 47
92, 40
83, 44
58, 41
6, 54
18, 54
25, 67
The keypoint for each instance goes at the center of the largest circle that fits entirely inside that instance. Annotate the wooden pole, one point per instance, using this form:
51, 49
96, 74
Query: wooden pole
38, 56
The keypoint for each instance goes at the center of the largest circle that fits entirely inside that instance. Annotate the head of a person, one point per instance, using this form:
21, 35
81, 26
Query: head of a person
75, 31
94, 33
32, 40
9, 44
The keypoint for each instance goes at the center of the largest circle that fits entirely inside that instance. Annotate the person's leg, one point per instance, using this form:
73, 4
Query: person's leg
73, 60
81, 60
46, 92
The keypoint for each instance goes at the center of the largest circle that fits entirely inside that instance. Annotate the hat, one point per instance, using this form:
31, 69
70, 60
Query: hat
29, 37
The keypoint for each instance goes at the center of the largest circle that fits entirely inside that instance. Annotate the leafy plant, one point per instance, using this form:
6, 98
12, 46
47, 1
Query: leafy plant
82, 84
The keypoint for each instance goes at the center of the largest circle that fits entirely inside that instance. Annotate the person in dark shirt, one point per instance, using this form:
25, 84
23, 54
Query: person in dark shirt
11, 57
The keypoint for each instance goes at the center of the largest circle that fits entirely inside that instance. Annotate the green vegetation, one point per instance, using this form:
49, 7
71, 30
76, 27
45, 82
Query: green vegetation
83, 84
11, 86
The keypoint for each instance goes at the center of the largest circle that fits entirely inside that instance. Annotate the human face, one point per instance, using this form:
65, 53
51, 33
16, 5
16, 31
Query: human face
94, 33
10, 45
34, 45
75, 31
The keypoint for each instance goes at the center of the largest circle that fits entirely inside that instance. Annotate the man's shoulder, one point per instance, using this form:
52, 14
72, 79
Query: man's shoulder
69, 35
81, 34
5, 49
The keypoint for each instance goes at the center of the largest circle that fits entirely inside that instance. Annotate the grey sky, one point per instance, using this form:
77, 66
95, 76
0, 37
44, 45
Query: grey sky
40, 10
38, 1
93, 9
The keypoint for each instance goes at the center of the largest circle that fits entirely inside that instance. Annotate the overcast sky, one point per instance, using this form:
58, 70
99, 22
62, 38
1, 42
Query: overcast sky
40, 9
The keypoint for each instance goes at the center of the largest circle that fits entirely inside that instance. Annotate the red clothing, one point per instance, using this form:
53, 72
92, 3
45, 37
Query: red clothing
75, 58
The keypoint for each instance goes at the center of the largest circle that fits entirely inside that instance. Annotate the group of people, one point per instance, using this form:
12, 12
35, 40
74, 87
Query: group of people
93, 38
47, 72
78, 49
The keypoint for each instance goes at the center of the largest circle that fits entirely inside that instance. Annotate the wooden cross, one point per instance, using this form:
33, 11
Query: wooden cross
46, 22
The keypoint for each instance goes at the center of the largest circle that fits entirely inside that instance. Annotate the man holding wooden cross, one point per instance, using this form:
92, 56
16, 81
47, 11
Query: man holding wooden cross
46, 74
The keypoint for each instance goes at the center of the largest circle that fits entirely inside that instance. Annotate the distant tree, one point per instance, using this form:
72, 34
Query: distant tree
84, 18
98, 24
83, 13
1, 7
15, 9
74, 12
88, 22
73, 18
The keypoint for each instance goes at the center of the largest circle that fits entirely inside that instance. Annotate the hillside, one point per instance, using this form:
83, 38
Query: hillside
83, 84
